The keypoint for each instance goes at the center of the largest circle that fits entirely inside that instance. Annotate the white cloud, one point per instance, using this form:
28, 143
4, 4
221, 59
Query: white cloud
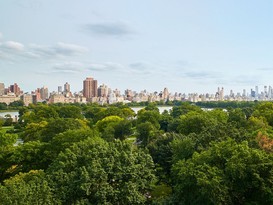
107, 66
60, 49
12, 45
1, 35
69, 49
9, 49
116, 29
71, 67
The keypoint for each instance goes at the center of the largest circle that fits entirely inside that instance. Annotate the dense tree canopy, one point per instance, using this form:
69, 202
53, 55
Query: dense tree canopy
226, 173
97, 172
92, 154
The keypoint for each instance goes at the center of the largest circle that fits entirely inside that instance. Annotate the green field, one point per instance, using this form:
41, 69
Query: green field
6, 128
8, 111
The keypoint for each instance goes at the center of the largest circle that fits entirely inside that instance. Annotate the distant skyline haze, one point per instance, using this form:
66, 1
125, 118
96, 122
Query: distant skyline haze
186, 46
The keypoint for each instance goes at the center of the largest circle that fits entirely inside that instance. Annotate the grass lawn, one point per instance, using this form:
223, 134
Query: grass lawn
9, 111
4, 129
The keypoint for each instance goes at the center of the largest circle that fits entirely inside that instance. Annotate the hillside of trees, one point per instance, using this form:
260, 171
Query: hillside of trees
91, 154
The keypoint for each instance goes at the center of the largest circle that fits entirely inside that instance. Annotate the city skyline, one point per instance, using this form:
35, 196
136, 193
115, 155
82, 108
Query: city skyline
186, 46
91, 88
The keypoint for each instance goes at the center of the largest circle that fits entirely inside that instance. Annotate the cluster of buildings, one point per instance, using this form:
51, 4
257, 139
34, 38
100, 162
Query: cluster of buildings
102, 94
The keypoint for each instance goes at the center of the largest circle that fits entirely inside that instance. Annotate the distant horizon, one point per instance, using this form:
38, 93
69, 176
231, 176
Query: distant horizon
186, 46
226, 92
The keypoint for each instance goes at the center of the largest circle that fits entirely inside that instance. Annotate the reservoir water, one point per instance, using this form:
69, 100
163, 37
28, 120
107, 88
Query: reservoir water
12, 113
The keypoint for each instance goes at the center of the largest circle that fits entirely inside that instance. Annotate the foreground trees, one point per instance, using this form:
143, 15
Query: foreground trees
27, 188
226, 173
90, 154
94, 171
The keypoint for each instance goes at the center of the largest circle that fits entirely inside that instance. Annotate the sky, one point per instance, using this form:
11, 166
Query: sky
186, 46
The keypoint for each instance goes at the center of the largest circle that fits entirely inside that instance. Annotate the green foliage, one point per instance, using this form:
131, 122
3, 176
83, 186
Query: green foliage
5, 162
29, 156
201, 156
193, 122
8, 120
183, 147
27, 188
97, 172
3, 106
66, 139
70, 111
152, 116
183, 109
264, 110
59, 125
227, 173
16, 104
7, 139
237, 117
1, 123
145, 132
227, 104
165, 121
123, 129
161, 151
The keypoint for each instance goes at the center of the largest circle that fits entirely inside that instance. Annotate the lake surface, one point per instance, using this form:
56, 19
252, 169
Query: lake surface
135, 109
161, 108
12, 113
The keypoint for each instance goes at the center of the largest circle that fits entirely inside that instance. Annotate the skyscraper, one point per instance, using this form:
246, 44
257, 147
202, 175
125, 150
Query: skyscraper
90, 88
15, 89
256, 92
2, 89
60, 89
66, 88
44, 93
103, 91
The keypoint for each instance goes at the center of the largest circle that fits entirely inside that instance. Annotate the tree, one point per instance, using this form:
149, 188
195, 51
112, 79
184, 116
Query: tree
66, 139
8, 120
226, 173
237, 117
107, 126
165, 120
264, 110
6, 152
123, 129
33, 131
98, 172
145, 132
194, 122
27, 188
1, 123
151, 116
160, 148
7, 139
59, 125
30, 156
70, 111
183, 109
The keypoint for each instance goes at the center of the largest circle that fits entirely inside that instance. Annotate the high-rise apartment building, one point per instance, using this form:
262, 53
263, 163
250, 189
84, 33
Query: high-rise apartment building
103, 91
66, 88
44, 93
90, 88
165, 93
15, 89
2, 89
256, 92
60, 89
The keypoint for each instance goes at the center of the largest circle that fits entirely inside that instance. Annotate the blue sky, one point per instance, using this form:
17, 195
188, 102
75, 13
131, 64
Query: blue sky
186, 46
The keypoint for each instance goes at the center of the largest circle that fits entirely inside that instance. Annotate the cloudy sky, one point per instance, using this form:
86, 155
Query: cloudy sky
186, 46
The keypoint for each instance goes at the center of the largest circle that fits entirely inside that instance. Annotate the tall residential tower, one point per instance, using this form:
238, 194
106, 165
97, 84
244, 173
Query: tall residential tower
90, 88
